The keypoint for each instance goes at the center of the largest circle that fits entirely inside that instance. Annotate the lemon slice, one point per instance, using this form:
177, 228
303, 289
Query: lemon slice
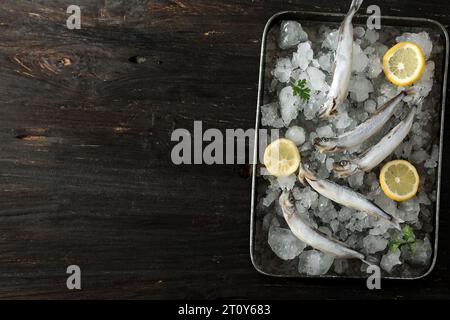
282, 158
399, 180
403, 63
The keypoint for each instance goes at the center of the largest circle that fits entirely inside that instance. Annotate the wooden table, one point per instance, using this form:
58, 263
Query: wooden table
86, 178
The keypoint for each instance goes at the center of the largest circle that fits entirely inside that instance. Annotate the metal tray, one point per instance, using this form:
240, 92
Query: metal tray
262, 257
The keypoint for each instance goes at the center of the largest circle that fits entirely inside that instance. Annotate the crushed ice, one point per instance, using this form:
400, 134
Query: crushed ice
368, 90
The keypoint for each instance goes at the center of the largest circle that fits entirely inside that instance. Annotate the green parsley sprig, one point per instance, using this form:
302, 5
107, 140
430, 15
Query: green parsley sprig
300, 89
407, 238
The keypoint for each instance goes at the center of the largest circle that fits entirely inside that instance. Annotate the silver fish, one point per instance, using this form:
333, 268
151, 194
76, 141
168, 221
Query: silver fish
376, 154
362, 132
304, 232
346, 197
342, 64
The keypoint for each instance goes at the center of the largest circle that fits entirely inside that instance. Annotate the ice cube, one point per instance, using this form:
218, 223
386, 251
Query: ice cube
419, 156
314, 263
325, 62
370, 106
284, 244
380, 48
356, 180
372, 36
374, 66
409, 210
309, 198
291, 33
296, 193
422, 39
288, 104
421, 253
300, 207
325, 131
287, 183
340, 266
342, 120
360, 60
359, 88
323, 203
272, 193
325, 230
283, 70
390, 260
345, 214
296, 134
373, 244
267, 221
423, 198
331, 40
315, 63
432, 161
329, 164
334, 225
315, 102
423, 86
378, 226
303, 56
369, 50
317, 79
270, 117
327, 215
359, 32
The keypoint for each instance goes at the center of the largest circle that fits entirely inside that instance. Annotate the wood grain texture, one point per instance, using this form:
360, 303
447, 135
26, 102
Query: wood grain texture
85, 170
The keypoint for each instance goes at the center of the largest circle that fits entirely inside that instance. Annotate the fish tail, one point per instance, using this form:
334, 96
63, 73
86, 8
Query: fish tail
366, 262
355, 5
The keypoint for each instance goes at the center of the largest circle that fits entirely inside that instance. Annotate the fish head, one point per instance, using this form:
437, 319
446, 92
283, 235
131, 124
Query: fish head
344, 168
325, 144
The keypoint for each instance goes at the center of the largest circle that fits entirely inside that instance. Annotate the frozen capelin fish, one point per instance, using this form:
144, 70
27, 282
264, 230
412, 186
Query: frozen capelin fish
376, 154
362, 132
304, 232
346, 197
342, 64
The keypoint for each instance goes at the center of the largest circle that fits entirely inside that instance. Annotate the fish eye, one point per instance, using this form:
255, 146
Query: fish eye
343, 163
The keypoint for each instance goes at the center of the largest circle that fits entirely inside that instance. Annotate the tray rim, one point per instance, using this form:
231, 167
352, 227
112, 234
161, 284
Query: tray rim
256, 142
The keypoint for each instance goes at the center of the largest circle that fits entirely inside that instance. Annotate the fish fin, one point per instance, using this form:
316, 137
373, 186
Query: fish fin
338, 149
368, 263
354, 6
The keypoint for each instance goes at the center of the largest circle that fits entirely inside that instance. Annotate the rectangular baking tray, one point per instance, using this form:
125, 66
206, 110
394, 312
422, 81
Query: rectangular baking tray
262, 258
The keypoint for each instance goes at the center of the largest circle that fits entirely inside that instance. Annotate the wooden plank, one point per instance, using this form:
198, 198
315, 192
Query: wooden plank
85, 170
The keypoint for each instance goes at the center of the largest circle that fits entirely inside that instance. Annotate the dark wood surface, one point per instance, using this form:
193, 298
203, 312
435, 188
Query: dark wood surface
85, 170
